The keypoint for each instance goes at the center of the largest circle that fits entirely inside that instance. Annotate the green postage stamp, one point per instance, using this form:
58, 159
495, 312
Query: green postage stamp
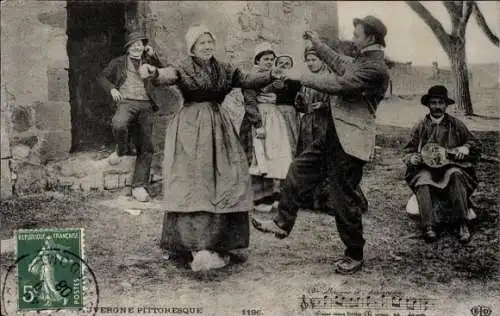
49, 268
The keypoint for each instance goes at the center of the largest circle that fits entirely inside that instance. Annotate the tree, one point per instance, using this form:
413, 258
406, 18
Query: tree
454, 43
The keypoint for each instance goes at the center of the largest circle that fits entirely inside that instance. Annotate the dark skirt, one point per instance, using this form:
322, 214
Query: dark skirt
184, 232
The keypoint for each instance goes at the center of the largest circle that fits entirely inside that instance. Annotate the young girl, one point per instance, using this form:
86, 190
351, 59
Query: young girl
275, 133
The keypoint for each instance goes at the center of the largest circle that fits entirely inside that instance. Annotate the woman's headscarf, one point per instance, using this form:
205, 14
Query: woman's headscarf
283, 56
193, 34
312, 51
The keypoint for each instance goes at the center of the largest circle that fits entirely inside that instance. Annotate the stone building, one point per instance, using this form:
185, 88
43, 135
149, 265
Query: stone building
52, 51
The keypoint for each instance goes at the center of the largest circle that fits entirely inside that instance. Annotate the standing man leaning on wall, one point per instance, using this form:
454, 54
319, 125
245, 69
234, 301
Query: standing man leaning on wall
133, 98
344, 141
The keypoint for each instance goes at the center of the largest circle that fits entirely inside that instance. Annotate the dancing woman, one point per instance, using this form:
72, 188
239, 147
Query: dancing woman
205, 172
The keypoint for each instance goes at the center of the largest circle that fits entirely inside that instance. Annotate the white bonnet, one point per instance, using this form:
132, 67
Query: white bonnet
193, 34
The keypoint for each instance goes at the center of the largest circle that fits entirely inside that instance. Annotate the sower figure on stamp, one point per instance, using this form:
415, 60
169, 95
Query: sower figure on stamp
343, 144
133, 98
446, 182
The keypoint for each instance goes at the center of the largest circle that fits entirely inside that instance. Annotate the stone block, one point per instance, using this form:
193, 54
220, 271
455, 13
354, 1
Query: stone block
7, 246
22, 118
55, 18
113, 181
29, 178
6, 181
21, 151
53, 146
58, 84
4, 128
52, 115
4, 143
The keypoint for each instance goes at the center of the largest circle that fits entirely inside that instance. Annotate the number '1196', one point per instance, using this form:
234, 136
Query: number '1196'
251, 312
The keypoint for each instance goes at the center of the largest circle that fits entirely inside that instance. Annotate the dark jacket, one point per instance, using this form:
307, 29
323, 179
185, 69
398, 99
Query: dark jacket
115, 74
450, 133
360, 87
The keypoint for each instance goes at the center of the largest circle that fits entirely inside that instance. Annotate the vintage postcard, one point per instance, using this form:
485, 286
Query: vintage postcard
255, 158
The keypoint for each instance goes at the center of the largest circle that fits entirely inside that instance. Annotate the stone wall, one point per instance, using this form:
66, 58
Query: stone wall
35, 99
241, 25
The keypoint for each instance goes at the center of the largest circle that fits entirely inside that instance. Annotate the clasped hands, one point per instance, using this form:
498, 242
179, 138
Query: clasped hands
294, 73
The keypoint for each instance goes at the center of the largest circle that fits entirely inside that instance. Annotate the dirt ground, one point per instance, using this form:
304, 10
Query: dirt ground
123, 251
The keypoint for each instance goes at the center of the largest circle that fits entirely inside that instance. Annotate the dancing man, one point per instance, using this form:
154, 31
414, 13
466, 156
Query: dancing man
343, 144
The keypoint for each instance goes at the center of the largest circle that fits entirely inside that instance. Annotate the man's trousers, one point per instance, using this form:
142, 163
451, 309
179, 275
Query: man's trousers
322, 161
134, 118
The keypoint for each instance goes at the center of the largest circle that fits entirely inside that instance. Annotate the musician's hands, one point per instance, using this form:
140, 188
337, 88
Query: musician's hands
462, 151
260, 133
416, 159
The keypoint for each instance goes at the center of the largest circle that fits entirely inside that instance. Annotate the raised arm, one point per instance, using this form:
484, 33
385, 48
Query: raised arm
250, 80
331, 58
355, 79
154, 60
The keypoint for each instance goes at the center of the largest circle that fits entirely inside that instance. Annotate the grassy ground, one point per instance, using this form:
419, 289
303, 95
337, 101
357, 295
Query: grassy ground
122, 250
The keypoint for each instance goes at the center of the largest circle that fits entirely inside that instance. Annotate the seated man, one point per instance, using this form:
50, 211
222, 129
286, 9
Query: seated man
123, 79
451, 182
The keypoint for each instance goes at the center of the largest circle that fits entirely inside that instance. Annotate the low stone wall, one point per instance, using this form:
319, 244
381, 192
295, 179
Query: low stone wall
36, 121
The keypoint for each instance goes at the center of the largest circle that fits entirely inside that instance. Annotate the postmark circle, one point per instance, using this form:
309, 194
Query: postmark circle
82, 288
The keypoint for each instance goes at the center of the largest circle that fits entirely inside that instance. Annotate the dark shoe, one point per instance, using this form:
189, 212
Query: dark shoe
269, 226
348, 266
430, 235
464, 234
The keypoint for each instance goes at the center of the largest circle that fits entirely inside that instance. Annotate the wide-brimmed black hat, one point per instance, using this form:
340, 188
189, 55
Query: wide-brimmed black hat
134, 37
375, 24
436, 92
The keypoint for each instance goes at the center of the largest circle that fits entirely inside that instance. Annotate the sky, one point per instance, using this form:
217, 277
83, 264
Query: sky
410, 39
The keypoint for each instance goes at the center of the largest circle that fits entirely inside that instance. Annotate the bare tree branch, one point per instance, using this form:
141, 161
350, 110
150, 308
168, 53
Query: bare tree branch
468, 7
481, 21
454, 8
432, 23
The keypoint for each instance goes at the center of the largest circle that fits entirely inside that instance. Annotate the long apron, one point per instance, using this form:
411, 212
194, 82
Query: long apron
207, 192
